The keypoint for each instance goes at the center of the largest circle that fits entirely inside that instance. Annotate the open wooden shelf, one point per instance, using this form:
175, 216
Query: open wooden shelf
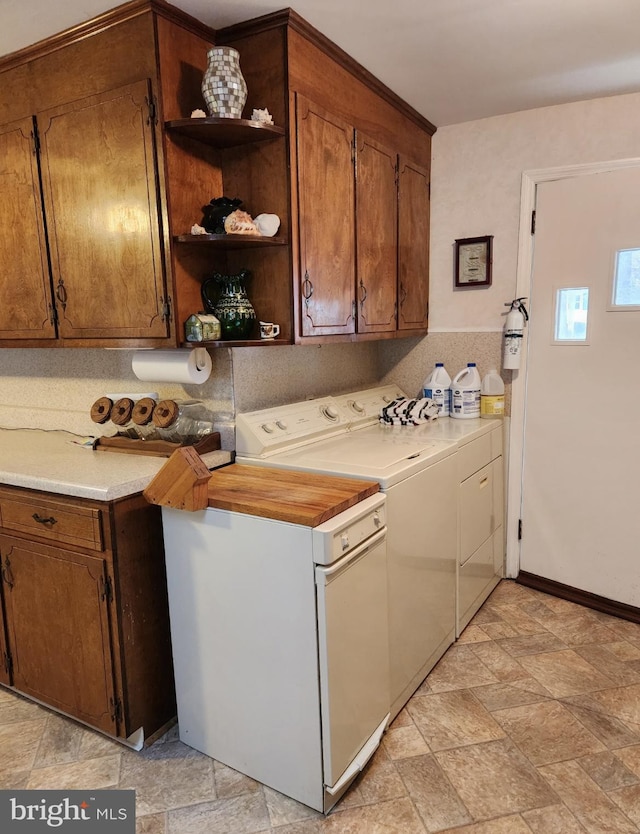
236, 343
231, 241
225, 133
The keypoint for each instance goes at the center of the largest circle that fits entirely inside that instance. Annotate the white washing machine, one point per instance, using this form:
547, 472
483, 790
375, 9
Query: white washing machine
416, 469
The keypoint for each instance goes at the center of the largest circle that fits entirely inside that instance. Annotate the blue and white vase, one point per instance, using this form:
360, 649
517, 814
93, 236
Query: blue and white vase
223, 86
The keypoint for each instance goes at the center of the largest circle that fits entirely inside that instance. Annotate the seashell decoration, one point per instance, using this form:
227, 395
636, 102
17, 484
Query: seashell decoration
262, 116
267, 224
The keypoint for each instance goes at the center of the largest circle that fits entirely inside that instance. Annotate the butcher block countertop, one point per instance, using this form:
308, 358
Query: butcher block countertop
296, 497
306, 498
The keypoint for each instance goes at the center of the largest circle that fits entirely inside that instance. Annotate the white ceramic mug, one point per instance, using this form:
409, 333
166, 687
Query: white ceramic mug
269, 330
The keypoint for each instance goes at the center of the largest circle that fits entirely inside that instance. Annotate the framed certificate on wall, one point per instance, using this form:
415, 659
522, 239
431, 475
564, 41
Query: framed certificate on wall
473, 262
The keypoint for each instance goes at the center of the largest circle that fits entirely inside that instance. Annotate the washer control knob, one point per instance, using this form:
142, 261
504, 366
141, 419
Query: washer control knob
282, 425
344, 541
268, 427
331, 412
356, 405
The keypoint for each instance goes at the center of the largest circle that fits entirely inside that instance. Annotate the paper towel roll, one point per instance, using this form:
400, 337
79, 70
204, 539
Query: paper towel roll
193, 366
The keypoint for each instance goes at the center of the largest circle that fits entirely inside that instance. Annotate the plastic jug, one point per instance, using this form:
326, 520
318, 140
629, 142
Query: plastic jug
492, 395
437, 386
465, 393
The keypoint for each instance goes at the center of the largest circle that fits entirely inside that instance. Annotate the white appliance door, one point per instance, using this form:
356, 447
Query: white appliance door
354, 653
580, 520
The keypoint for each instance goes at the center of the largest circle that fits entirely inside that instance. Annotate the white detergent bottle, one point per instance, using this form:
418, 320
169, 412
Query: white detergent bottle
492, 395
437, 387
465, 393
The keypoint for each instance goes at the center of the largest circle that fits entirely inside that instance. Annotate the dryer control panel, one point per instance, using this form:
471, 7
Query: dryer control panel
270, 430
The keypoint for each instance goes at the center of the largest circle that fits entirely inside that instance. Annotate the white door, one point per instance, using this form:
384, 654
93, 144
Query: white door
581, 469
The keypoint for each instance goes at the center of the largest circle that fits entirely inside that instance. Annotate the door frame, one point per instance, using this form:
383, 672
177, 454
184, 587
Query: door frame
524, 271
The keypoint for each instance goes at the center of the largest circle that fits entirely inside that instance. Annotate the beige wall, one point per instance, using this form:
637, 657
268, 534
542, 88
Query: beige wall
477, 170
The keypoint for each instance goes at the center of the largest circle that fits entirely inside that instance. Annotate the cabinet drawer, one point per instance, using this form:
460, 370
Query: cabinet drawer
477, 578
477, 521
496, 442
474, 455
55, 521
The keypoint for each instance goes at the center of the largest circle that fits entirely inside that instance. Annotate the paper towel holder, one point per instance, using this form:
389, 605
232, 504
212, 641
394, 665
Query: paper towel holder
201, 358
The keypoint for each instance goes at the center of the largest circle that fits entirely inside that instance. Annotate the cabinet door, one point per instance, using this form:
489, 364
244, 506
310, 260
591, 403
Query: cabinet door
5, 668
326, 206
26, 311
376, 235
102, 211
413, 246
58, 630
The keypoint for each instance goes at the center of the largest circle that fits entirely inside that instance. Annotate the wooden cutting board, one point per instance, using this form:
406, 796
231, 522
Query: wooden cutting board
297, 497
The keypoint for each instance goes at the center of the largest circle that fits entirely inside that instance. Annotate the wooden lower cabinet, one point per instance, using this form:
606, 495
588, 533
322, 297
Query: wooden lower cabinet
4, 654
57, 615
85, 624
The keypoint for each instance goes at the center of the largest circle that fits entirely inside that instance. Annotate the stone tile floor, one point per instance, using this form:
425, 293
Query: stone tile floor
530, 724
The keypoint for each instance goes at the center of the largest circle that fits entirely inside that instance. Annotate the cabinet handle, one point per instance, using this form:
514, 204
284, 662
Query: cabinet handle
307, 287
7, 576
61, 294
41, 520
363, 293
403, 294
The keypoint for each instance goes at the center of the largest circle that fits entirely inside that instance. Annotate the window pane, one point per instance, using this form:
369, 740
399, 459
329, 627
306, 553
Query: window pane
572, 306
626, 285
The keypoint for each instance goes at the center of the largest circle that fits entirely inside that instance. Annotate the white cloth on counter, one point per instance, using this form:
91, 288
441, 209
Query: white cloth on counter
408, 412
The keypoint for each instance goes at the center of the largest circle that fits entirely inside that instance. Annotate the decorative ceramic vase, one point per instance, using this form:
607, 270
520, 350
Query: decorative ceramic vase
232, 306
217, 212
223, 86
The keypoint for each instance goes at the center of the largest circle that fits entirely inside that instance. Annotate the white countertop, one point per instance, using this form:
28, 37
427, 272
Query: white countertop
462, 430
56, 461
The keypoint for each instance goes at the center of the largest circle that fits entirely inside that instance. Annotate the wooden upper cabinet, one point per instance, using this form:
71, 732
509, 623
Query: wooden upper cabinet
376, 235
58, 629
103, 216
413, 246
326, 199
26, 310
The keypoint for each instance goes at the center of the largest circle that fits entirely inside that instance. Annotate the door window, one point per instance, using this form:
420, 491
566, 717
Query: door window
626, 280
571, 318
